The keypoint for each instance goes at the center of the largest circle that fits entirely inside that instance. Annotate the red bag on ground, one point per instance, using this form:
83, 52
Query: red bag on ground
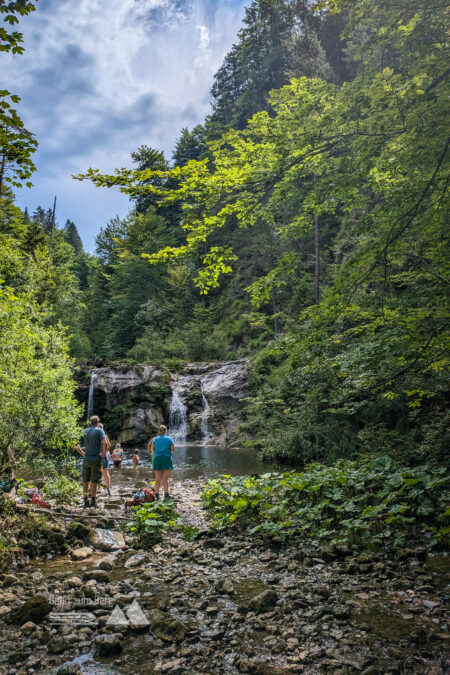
37, 501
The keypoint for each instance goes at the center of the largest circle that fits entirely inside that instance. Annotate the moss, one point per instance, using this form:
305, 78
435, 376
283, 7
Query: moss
35, 609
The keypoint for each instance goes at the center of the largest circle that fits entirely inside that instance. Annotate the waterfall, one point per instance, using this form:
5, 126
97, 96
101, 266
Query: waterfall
177, 419
205, 417
90, 403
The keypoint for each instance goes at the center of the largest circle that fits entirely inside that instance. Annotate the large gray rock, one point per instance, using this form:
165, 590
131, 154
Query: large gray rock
143, 393
106, 540
166, 627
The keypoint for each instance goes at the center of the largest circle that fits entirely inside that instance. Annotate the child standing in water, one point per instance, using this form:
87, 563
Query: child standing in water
136, 459
117, 456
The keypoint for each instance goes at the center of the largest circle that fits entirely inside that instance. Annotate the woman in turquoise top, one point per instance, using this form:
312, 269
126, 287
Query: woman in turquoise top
162, 447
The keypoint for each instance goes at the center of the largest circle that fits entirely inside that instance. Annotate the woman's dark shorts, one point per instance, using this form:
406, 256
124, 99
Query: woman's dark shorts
117, 462
90, 472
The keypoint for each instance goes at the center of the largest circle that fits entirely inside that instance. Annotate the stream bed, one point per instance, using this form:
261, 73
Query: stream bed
223, 604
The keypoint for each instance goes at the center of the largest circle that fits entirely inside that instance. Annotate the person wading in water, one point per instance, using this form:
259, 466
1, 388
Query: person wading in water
117, 456
95, 447
162, 447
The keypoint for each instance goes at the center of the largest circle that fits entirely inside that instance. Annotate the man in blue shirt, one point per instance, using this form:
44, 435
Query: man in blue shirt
95, 446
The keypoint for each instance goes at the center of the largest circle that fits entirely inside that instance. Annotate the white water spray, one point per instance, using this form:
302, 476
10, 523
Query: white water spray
177, 419
205, 419
90, 403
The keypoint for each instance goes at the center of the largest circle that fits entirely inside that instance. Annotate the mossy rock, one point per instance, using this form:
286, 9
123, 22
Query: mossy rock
78, 531
35, 609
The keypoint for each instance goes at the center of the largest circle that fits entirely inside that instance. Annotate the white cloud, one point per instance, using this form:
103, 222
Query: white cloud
101, 77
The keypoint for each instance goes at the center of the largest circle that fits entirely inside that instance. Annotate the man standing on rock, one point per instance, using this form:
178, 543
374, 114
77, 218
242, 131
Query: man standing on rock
95, 447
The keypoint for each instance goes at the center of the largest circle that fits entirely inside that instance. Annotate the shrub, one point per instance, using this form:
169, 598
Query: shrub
369, 502
153, 521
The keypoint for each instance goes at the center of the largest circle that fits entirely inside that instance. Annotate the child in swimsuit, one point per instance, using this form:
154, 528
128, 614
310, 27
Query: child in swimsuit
117, 456
135, 458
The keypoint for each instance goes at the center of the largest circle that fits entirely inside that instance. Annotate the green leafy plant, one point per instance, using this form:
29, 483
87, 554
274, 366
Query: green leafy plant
62, 489
152, 521
370, 502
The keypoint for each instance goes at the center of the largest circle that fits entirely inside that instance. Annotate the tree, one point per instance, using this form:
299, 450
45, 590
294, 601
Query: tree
190, 145
72, 237
12, 41
38, 411
367, 161
17, 144
278, 41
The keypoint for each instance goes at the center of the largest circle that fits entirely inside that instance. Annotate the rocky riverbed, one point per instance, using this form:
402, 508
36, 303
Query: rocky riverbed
221, 604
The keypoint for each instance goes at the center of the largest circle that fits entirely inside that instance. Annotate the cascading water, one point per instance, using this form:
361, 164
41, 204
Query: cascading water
205, 419
90, 403
177, 419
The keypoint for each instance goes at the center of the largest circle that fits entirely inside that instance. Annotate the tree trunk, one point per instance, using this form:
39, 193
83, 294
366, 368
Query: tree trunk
2, 173
52, 229
316, 255
317, 260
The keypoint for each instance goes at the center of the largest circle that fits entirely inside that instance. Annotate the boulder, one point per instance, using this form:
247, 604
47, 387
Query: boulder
166, 627
96, 575
106, 540
10, 580
35, 609
225, 586
69, 669
264, 601
105, 565
78, 531
135, 560
58, 645
108, 644
82, 553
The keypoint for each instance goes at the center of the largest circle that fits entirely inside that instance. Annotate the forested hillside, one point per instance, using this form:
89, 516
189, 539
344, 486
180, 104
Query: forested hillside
302, 224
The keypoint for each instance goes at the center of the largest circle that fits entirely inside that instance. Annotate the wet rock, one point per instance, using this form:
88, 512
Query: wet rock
58, 645
135, 560
174, 666
69, 669
106, 540
351, 567
35, 609
78, 531
264, 601
225, 586
82, 553
10, 580
105, 565
96, 575
108, 644
166, 627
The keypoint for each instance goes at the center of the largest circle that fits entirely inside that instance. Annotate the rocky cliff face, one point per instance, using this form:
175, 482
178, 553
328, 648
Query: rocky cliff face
134, 401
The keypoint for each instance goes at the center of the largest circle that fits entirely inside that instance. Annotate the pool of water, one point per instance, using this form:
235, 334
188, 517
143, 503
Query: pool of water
194, 461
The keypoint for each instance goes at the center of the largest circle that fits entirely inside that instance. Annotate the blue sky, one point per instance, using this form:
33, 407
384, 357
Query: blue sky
101, 77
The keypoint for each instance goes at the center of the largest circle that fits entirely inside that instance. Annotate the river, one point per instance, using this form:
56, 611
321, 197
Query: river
197, 461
